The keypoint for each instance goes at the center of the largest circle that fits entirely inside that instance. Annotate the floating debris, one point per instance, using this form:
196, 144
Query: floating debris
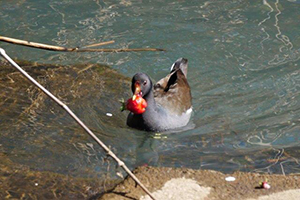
230, 178
109, 114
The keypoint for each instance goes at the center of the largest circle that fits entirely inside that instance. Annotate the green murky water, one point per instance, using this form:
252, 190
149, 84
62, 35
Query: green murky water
244, 59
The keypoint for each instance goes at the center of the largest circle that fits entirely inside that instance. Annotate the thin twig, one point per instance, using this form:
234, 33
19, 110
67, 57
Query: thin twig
118, 50
35, 45
64, 106
75, 49
99, 44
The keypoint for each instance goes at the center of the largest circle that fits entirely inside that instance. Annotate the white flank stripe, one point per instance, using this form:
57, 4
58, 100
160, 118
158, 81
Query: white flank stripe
189, 110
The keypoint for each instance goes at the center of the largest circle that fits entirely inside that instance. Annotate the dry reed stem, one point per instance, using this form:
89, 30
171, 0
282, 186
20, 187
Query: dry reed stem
99, 44
75, 49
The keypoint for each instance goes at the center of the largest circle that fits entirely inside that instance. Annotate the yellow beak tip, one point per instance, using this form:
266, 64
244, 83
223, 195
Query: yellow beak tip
133, 97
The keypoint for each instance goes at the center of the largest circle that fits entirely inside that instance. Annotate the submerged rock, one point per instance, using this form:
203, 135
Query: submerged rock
20, 182
43, 145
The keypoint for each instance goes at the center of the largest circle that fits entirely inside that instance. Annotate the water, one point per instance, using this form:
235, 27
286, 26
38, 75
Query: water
244, 59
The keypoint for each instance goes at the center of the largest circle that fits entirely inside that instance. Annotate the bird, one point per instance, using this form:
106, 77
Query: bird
162, 106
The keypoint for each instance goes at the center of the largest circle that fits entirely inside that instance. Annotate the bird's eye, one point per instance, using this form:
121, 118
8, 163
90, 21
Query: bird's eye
145, 82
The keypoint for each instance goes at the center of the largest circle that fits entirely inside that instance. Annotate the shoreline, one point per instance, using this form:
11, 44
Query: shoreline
183, 183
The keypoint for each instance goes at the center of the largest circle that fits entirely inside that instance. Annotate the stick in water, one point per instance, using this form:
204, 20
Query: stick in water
75, 49
49, 94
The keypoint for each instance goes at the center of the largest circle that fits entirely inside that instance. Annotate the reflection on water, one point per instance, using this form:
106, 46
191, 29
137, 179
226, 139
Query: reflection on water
244, 61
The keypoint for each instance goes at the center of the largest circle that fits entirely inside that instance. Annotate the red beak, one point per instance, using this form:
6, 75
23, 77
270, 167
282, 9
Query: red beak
137, 90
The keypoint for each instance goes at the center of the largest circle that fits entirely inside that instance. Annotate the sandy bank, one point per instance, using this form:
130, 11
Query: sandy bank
170, 183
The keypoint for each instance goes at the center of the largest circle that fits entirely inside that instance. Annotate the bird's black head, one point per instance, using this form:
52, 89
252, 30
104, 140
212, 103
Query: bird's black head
141, 84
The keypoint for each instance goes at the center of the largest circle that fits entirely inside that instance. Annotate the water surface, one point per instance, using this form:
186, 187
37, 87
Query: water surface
244, 59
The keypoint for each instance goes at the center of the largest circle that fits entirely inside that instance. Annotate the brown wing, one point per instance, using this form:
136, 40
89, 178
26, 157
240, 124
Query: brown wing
173, 92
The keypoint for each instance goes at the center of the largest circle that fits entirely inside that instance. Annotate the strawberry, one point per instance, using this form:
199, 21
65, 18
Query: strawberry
265, 185
137, 104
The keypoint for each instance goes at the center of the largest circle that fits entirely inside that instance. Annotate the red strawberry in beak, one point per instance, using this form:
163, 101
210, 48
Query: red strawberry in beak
137, 104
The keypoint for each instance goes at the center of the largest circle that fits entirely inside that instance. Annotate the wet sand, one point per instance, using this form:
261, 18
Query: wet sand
181, 183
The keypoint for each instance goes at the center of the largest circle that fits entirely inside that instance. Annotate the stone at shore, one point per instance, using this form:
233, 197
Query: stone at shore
204, 184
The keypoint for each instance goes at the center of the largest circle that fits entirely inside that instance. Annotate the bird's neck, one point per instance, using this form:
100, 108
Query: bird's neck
150, 100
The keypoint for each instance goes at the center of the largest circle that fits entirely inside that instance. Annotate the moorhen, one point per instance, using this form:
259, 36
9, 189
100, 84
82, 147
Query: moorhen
166, 105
